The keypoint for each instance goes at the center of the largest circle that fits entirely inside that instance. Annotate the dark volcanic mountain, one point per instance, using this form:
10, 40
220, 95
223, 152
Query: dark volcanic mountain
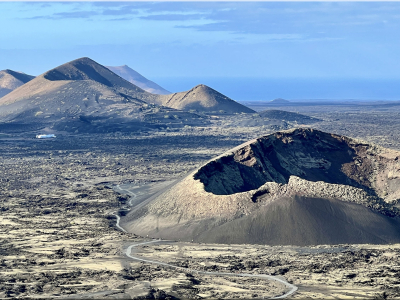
300, 187
279, 101
273, 119
274, 114
10, 80
203, 98
134, 77
83, 94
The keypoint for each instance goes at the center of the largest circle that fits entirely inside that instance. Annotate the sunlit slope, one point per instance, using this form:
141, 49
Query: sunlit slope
84, 95
80, 86
203, 98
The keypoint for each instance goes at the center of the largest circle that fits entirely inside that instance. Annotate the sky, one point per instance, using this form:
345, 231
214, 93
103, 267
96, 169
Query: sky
223, 44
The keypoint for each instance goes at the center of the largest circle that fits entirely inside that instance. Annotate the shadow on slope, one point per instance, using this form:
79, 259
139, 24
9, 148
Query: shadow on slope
86, 69
24, 78
304, 221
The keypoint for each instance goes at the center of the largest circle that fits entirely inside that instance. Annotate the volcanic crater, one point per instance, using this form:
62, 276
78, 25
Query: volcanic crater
308, 154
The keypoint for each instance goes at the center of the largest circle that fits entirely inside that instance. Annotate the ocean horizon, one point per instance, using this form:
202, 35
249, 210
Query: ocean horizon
265, 89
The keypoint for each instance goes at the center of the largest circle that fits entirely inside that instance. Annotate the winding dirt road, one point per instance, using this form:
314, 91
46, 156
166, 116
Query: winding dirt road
128, 252
115, 213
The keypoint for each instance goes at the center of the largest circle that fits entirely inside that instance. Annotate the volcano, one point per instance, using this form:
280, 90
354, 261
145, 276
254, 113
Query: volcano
295, 187
203, 98
84, 95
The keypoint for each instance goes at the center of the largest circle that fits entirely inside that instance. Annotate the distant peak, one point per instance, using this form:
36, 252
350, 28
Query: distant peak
80, 61
206, 89
82, 68
202, 86
8, 71
119, 67
280, 100
13, 72
85, 58
18, 75
137, 79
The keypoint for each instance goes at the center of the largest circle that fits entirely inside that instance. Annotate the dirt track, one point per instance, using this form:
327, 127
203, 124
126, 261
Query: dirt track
292, 288
128, 252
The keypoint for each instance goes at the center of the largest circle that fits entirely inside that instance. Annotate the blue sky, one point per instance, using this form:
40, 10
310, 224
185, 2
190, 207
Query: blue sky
205, 40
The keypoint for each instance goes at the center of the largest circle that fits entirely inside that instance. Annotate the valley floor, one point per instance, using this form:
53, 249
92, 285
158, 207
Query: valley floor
59, 238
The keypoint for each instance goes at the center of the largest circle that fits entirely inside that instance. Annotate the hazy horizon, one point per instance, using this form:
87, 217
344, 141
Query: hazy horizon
265, 89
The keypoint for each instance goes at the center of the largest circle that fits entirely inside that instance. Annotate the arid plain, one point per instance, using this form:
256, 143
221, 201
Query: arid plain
59, 237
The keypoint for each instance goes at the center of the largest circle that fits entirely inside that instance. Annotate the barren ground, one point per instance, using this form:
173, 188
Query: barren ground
58, 238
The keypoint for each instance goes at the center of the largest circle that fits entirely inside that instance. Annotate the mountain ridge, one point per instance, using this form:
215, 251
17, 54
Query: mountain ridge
82, 90
84, 96
82, 70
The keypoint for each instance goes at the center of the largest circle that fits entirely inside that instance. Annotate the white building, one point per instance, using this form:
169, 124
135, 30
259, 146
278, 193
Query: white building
45, 136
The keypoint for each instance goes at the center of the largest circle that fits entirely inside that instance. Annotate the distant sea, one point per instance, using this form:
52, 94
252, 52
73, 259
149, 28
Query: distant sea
253, 89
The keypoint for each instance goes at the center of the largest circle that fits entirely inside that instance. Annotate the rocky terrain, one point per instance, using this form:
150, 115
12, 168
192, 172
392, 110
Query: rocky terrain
271, 118
10, 80
319, 272
57, 233
374, 122
59, 239
134, 77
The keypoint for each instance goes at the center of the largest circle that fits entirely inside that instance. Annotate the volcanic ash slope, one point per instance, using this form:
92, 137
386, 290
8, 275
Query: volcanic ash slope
299, 187
80, 85
202, 98
80, 94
